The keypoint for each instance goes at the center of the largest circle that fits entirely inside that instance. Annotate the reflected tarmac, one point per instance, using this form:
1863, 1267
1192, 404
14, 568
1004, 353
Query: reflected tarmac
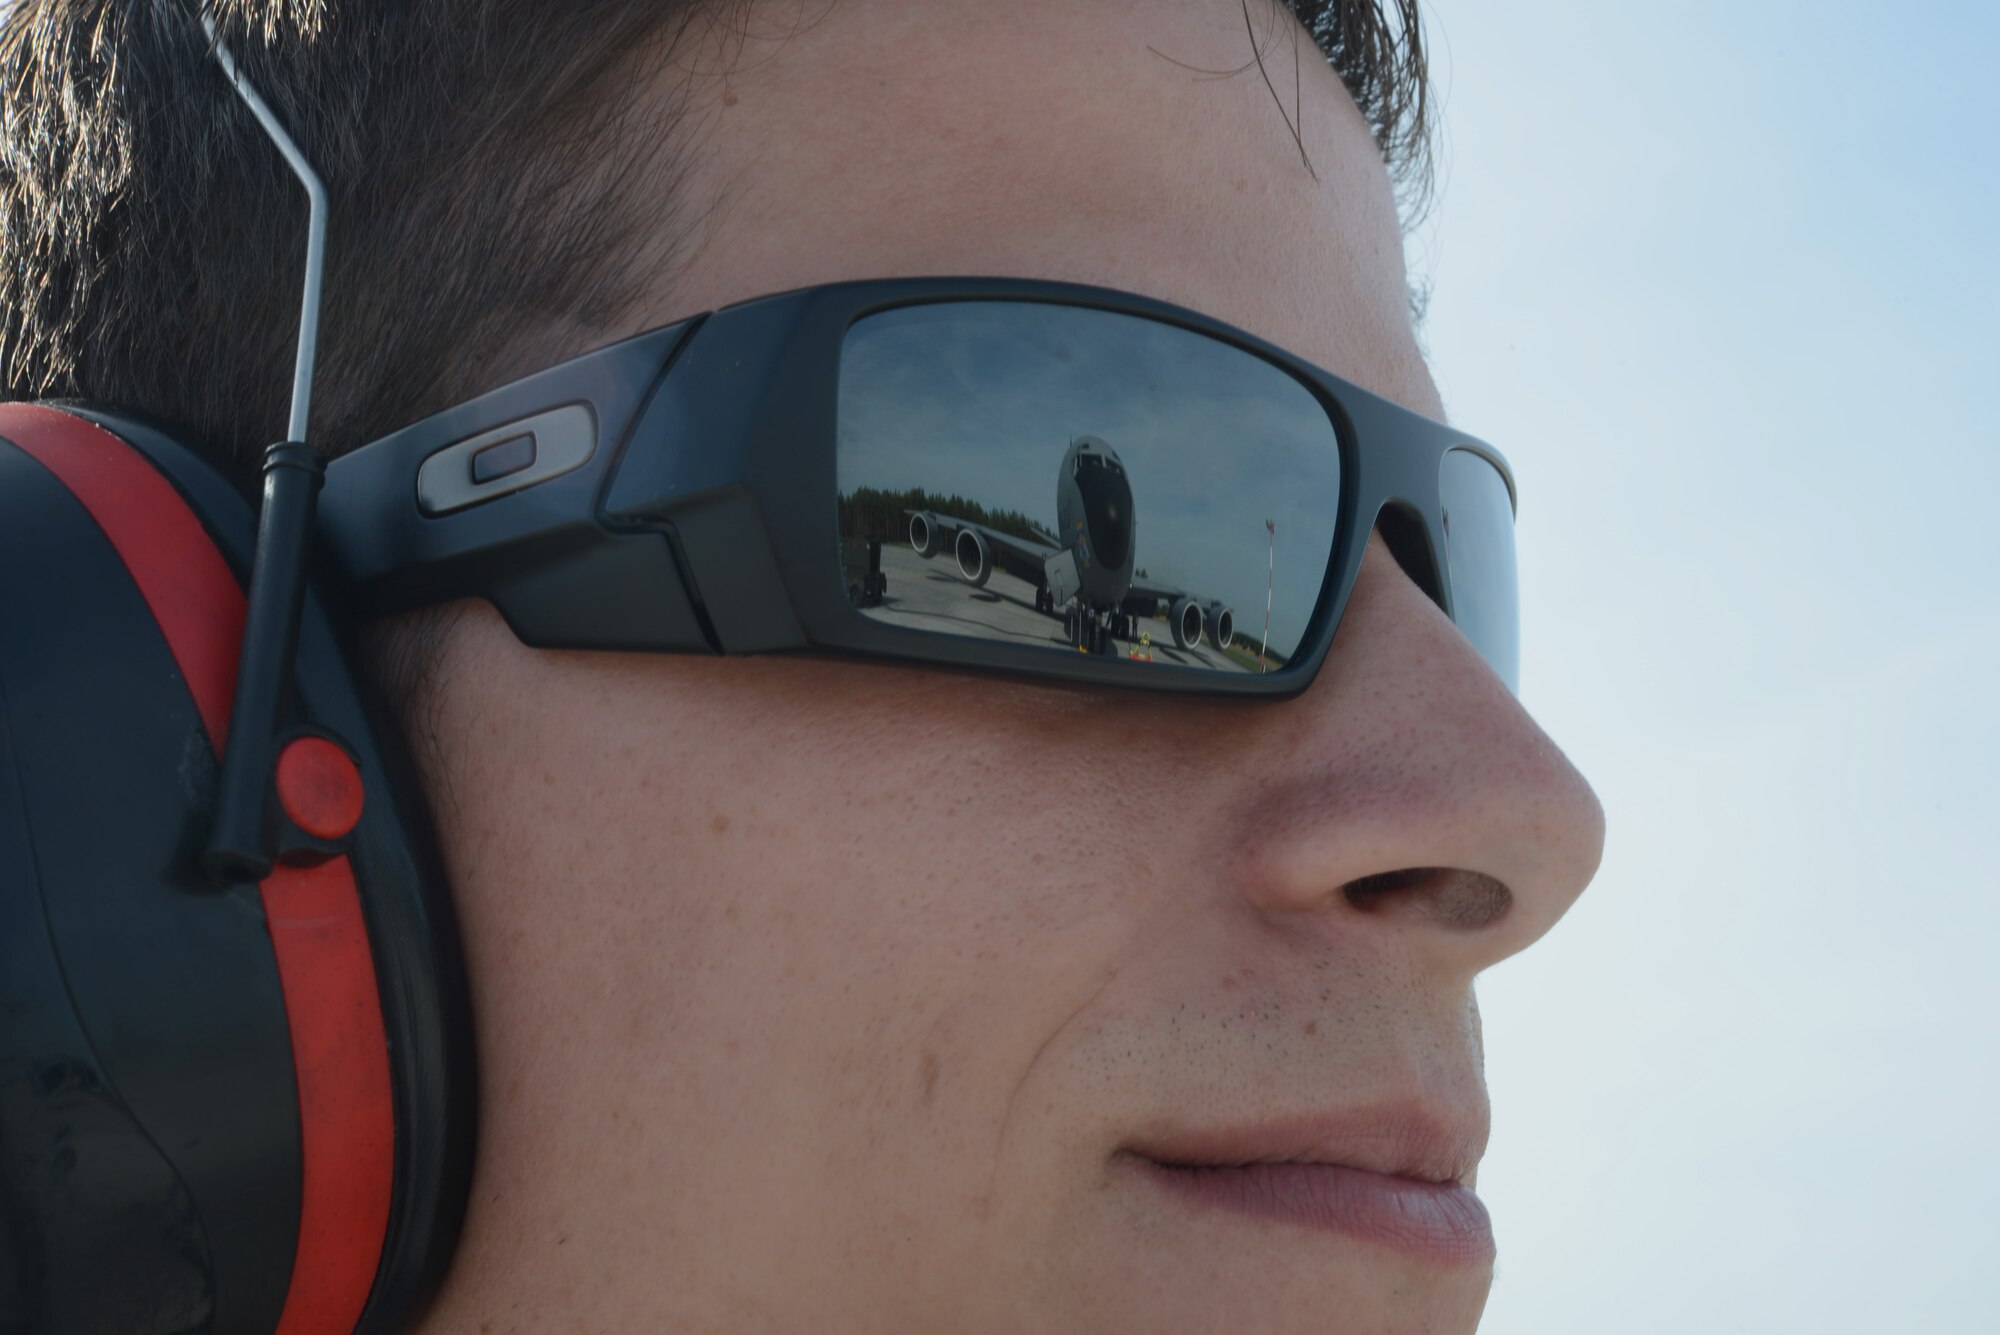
929, 595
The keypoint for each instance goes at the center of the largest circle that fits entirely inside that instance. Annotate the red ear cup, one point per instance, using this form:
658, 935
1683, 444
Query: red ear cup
244, 1108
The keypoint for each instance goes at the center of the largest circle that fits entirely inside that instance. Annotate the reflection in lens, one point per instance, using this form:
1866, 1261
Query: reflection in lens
974, 563
1100, 482
1479, 545
1107, 503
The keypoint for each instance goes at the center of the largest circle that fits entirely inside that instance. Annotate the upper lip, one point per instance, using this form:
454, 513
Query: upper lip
1399, 1139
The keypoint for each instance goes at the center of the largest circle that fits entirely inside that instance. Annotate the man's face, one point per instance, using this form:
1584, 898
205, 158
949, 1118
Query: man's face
825, 996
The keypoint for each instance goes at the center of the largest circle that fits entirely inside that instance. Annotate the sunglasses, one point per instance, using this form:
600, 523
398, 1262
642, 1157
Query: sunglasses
1040, 479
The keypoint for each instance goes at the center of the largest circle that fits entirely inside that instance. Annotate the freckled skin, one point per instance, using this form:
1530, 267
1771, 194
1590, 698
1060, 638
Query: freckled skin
806, 1000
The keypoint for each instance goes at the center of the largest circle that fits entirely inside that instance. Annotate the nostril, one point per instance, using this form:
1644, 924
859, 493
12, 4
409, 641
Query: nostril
1465, 900
1367, 892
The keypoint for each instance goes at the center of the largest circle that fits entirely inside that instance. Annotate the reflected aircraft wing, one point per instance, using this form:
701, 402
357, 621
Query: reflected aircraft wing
1146, 588
1149, 593
1018, 556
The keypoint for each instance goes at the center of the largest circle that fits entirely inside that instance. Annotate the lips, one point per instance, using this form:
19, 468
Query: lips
1390, 1176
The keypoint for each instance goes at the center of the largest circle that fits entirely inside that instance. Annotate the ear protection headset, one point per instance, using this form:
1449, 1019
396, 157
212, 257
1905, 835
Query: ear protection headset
236, 1073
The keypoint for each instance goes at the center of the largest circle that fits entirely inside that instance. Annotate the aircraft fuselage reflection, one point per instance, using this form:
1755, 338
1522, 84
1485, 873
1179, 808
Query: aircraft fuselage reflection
1084, 572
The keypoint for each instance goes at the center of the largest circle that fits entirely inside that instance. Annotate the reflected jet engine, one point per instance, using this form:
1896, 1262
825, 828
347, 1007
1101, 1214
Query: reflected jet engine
924, 533
975, 558
1084, 570
1221, 625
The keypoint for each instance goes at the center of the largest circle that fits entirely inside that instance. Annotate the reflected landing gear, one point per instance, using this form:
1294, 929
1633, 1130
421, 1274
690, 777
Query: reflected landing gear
1092, 633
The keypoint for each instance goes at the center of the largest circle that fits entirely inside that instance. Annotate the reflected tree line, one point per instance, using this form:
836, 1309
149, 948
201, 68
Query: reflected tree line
872, 512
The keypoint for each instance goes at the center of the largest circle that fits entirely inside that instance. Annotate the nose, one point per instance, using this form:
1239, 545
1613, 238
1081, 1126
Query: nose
1408, 792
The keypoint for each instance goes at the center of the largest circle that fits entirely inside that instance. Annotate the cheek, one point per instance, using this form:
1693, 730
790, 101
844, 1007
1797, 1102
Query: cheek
803, 917
898, 889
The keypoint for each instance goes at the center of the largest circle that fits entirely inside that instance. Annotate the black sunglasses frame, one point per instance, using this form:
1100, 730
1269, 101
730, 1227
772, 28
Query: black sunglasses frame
704, 518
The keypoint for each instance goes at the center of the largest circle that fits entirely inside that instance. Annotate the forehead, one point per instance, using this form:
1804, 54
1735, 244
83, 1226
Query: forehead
1043, 139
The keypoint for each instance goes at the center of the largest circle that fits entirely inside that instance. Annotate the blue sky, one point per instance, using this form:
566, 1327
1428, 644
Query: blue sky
1721, 280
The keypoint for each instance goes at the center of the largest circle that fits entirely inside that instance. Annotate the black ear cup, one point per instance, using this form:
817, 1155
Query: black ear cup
228, 1109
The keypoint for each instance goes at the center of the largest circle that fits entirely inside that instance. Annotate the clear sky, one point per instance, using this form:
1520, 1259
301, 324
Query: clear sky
1721, 280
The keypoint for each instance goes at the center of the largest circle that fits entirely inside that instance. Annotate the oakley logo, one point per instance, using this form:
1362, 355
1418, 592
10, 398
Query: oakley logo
506, 459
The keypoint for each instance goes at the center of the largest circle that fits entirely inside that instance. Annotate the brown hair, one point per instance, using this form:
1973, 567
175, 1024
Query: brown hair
487, 211
481, 198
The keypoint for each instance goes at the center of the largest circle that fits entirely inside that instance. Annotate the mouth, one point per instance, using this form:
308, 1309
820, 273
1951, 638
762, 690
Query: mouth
1394, 1178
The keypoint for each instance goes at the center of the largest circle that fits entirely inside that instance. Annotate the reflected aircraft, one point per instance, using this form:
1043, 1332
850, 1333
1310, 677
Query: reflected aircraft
1084, 571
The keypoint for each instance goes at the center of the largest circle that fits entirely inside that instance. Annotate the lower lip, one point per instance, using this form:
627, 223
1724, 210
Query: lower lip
1441, 1222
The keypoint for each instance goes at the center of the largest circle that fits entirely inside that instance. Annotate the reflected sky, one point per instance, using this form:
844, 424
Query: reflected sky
983, 399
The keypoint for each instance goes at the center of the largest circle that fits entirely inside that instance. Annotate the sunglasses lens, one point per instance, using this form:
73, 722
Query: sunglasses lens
1479, 547
1083, 481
